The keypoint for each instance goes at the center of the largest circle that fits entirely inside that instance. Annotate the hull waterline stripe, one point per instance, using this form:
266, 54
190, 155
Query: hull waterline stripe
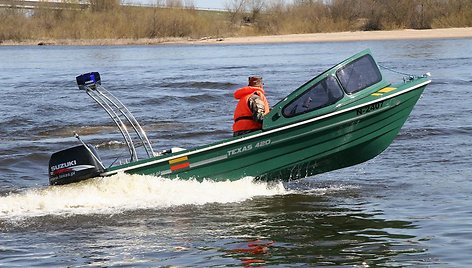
197, 164
165, 172
266, 132
208, 161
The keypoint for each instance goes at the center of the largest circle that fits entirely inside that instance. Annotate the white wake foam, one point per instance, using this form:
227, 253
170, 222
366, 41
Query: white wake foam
128, 192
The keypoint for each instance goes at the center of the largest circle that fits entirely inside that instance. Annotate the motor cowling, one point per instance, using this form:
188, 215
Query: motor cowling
73, 165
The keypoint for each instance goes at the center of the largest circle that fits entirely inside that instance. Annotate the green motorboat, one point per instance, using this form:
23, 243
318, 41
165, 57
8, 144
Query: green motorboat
342, 117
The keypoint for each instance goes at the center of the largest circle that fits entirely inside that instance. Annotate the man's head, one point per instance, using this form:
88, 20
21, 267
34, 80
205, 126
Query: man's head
255, 81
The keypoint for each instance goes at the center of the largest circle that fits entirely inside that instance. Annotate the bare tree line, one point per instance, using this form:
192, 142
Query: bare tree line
179, 18
304, 16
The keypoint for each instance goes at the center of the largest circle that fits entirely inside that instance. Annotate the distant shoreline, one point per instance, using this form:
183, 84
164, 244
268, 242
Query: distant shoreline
443, 33
446, 33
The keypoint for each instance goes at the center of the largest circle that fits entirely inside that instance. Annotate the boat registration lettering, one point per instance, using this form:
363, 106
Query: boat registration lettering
369, 108
248, 147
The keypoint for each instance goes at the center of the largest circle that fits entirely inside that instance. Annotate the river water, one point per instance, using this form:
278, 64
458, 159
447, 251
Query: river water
410, 206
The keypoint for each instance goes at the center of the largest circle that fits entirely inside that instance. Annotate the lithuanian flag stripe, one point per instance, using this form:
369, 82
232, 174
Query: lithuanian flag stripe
177, 160
180, 166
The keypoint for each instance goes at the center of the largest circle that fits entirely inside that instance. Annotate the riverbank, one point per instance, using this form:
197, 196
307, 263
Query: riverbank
451, 33
444, 33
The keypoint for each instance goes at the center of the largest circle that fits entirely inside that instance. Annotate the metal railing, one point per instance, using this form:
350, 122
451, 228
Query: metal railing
118, 112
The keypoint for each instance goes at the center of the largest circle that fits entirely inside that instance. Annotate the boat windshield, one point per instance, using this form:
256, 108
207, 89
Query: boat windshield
359, 74
323, 93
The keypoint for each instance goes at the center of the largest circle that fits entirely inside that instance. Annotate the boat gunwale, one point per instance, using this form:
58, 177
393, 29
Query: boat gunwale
149, 161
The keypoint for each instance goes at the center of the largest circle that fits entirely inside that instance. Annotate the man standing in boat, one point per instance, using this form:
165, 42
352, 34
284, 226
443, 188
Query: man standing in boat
251, 108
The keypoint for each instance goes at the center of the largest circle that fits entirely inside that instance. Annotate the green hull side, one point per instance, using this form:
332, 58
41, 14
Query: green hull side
352, 142
341, 140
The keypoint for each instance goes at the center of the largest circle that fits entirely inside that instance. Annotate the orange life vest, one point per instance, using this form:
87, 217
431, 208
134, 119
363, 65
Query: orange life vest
242, 114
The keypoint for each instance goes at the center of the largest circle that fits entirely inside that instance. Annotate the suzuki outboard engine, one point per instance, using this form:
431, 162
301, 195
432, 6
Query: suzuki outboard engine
74, 164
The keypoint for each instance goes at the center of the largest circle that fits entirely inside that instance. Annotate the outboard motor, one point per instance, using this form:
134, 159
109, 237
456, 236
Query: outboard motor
74, 164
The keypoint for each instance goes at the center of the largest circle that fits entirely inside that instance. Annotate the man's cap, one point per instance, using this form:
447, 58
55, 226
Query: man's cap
255, 81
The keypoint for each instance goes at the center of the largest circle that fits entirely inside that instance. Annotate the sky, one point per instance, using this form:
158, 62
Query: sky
219, 4
206, 4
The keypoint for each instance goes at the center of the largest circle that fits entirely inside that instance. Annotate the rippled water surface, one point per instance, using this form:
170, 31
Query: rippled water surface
410, 206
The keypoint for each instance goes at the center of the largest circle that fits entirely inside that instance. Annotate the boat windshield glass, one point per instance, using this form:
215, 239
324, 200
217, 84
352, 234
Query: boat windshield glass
323, 93
359, 74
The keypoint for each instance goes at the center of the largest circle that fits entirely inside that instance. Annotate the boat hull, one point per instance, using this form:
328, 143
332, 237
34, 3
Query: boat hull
339, 118
344, 138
